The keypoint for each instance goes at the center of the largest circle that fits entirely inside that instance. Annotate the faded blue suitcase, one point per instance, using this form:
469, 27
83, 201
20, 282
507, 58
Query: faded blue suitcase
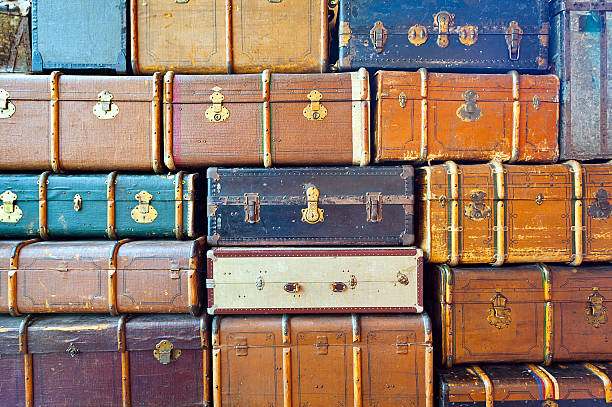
84, 34
449, 34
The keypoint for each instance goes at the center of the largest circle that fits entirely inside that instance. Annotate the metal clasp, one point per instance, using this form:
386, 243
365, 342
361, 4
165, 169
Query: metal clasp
312, 214
105, 109
499, 314
252, 208
217, 112
10, 212
378, 35
468, 35
315, 110
338, 287
292, 288
374, 206
7, 109
144, 212
322, 345
402, 99
78, 202
469, 111
514, 34
417, 35
596, 313
72, 350
165, 353
443, 20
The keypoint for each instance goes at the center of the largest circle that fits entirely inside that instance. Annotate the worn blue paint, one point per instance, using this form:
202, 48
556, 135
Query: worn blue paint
83, 34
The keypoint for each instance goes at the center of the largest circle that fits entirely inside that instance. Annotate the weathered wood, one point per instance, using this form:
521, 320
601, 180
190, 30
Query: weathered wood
15, 48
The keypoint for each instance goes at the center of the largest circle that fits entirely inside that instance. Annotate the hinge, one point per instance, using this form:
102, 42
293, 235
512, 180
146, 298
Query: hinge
374, 206
242, 348
378, 35
322, 345
252, 207
514, 34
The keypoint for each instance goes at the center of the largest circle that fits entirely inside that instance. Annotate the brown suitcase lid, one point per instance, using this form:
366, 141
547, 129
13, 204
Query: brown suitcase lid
144, 332
9, 335
581, 284
597, 179
249, 88
26, 87
122, 88
171, 255
481, 285
452, 86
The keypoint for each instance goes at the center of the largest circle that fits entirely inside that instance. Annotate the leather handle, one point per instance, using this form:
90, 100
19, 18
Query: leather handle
292, 288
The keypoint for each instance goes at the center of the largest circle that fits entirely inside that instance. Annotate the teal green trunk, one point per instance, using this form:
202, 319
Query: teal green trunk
26, 189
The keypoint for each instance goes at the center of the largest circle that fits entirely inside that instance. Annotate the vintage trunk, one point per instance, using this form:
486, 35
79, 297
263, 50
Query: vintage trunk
97, 360
80, 123
160, 276
291, 280
437, 116
113, 205
83, 34
497, 213
310, 206
527, 313
461, 34
581, 40
320, 361
15, 48
266, 119
529, 385
225, 36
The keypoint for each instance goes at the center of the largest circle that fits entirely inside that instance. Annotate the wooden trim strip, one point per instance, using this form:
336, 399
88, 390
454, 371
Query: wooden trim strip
287, 395
452, 171
54, 125
179, 229
429, 381
111, 180
424, 112
216, 357
125, 361
449, 337
27, 360
553, 381
206, 362
285, 329
577, 230
607, 384
516, 116
488, 385
134, 37
12, 277
603, 78
229, 34
355, 322
156, 125
357, 393
548, 333
112, 277
43, 181
168, 118
546, 281
360, 117
499, 229
545, 378
192, 292
324, 36
266, 119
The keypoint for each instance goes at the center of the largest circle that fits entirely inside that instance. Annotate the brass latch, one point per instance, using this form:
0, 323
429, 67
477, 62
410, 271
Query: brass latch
378, 35
144, 212
417, 35
374, 206
468, 35
242, 349
402, 278
252, 208
10, 212
312, 214
315, 110
105, 109
514, 34
443, 21
469, 111
596, 313
401, 344
78, 202
402, 99
322, 345
499, 314
7, 109
217, 112
165, 352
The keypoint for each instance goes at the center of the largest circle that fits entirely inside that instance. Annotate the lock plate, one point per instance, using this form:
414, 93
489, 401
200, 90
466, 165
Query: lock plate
144, 212
315, 110
499, 315
78, 202
468, 35
252, 208
165, 353
312, 214
378, 35
105, 109
402, 99
596, 313
514, 34
469, 111
7, 109
443, 21
217, 112
10, 212
417, 35
373, 206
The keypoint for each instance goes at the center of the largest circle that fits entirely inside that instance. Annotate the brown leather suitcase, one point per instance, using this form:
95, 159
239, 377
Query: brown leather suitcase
497, 213
229, 36
450, 116
99, 360
266, 120
525, 313
15, 45
160, 276
571, 384
80, 123
322, 361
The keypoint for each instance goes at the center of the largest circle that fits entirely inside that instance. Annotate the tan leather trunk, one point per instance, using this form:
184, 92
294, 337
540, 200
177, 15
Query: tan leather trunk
81, 123
322, 361
527, 313
229, 36
450, 116
497, 213
266, 119
102, 277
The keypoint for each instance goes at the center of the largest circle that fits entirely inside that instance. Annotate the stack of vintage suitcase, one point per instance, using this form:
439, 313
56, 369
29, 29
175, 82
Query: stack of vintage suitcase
190, 216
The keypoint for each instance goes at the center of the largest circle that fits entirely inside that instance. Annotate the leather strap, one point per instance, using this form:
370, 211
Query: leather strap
111, 230
168, 117
424, 112
12, 276
206, 365
516, 116
287, 388
548, 313
499, 214
27, 361
607, 384
356, 328
453, 227
578, 227
43, 181
229, 37
125, 361
266, 119
179, 181
357, 393
112, 277
216, 363
156, 125
488, 385
54, 136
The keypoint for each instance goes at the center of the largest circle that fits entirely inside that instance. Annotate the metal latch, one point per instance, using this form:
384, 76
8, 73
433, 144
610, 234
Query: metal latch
514, 34
217, 112
72, 350
322, 344
402, 99
443, 21
401, 344
78, 202
252, 208
468, 35
596, 313
144, 212
105, 109
378, 35
315, 110
242, 348
7, 109
374, 206
10, 212
469, 111
312, 214
417, 35
165, 352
